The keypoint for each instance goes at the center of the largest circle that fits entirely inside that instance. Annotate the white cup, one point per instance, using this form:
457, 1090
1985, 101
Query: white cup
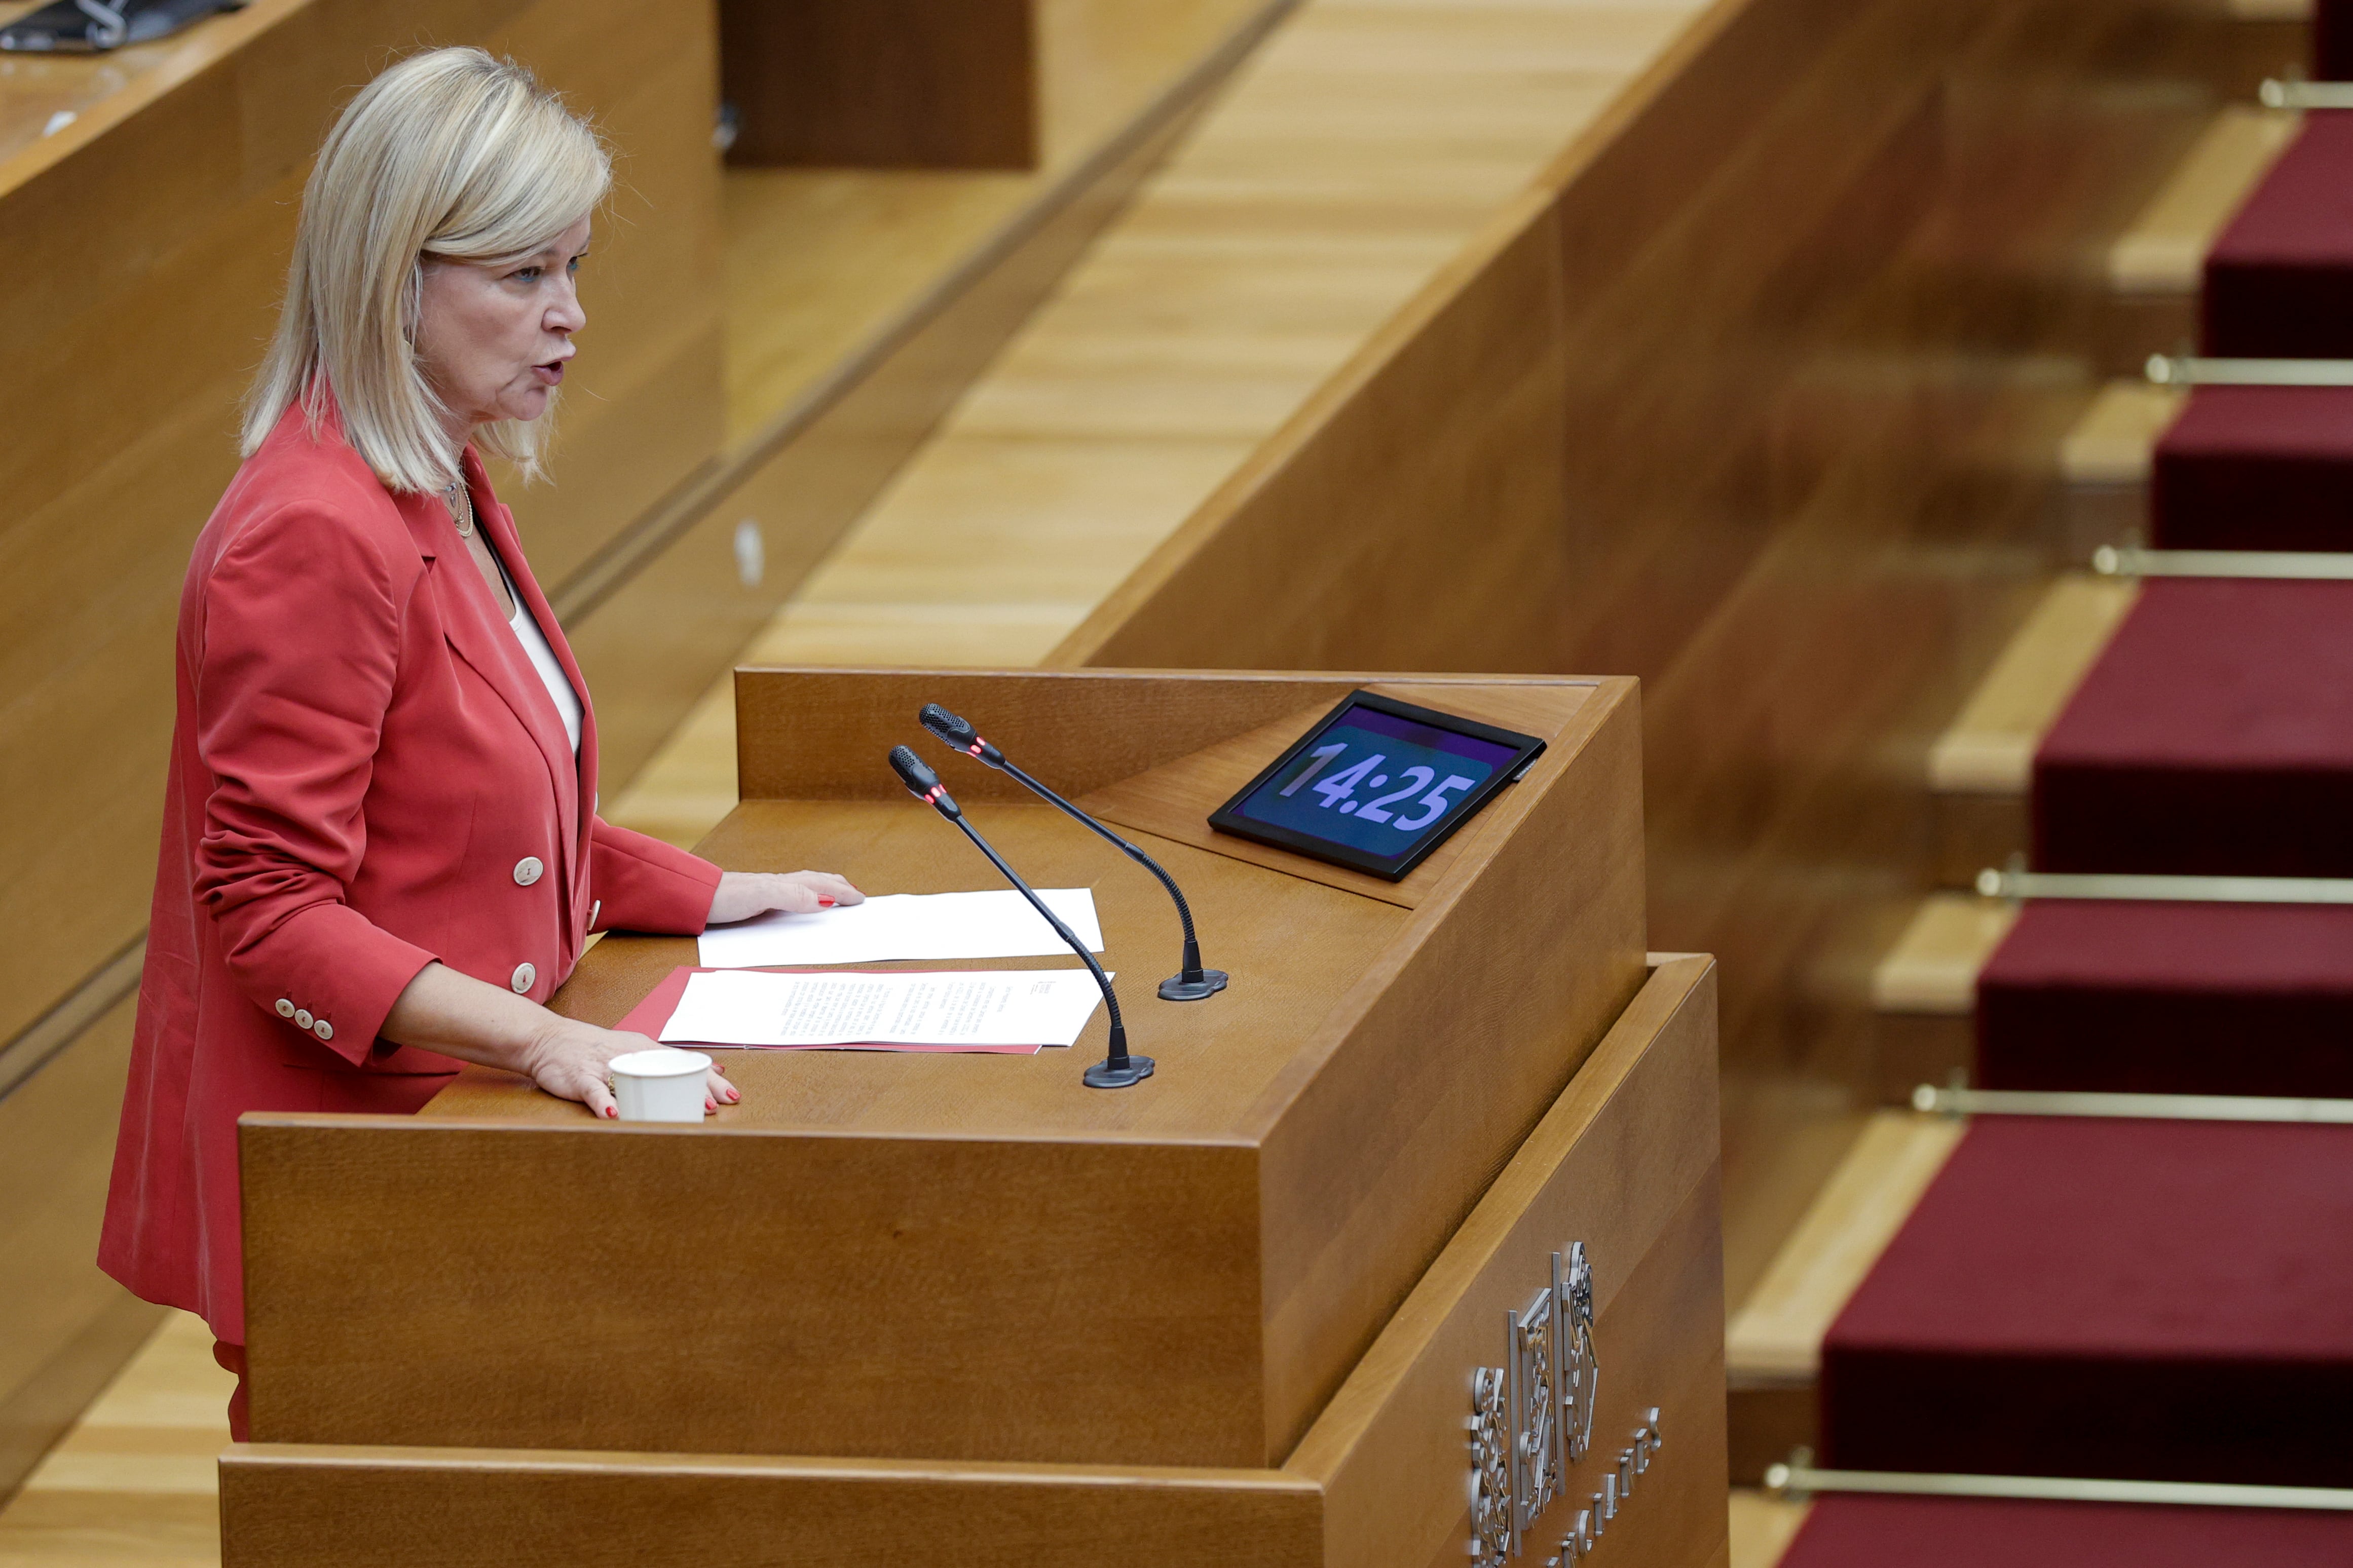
660, 1085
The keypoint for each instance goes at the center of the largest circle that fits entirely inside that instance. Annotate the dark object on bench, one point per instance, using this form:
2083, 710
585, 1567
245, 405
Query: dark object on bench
91, 26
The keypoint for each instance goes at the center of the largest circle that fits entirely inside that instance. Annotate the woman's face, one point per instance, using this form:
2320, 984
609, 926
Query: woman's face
493, 340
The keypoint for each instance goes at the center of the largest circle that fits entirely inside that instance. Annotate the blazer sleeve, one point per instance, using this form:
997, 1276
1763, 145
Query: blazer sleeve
644, 884
300, 648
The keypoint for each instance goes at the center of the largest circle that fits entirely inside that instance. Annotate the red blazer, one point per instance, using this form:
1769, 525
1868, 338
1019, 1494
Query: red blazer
366, 775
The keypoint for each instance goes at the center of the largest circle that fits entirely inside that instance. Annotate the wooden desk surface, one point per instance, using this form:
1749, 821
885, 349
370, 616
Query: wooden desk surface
101, 90
1217, 1059
1317, 932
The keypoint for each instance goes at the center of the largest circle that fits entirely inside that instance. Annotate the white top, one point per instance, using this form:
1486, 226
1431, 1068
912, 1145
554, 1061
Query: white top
544, 659
663, 1061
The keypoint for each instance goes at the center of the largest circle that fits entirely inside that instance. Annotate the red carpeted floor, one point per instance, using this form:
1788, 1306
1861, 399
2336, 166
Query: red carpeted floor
1849, 1531
2150, 998
2279, 278
2166, 1301
2256, 467
2213, 736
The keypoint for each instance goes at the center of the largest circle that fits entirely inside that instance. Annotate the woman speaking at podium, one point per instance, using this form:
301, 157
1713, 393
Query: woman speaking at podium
381, 852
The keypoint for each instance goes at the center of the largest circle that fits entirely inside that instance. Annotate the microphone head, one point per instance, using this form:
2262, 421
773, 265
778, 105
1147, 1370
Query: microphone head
954, 730
913, 771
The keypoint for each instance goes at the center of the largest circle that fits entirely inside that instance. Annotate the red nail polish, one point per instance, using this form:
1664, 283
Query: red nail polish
613, 1112
825, 903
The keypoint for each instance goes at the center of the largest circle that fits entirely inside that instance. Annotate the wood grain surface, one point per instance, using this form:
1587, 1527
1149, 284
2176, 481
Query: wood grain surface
671, 607
1410, 515
64, 1326
861, 305
1758, 395
1255, 1211
883, 83
1624, 1160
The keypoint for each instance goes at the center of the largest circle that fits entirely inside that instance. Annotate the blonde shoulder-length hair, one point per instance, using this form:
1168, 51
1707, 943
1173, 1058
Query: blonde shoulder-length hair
448, 154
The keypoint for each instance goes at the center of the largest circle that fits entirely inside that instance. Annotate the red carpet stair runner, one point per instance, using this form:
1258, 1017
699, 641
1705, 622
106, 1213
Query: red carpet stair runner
2256, 467
1972, 1532
2151, 998
2265, 467
2279, 278
2157, 1301
2166, 1301
2214, 736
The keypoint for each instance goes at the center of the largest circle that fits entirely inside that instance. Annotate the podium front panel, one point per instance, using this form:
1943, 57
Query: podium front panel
976, 1258
1623, 1168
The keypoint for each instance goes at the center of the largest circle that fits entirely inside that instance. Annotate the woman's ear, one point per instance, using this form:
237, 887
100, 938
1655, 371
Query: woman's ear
412, 302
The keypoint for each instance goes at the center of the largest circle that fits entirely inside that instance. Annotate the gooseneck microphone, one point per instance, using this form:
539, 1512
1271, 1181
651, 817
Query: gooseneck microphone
1191, 982
1117, 1071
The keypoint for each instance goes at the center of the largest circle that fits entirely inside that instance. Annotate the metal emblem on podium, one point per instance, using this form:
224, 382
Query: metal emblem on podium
1534, 1336
1581, 1372
1491, 1467
1531, 1417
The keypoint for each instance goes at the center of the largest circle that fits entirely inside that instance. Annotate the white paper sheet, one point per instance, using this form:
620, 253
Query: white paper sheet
967, 1007
929, 926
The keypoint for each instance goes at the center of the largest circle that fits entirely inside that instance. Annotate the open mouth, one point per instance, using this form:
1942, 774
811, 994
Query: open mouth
550, 374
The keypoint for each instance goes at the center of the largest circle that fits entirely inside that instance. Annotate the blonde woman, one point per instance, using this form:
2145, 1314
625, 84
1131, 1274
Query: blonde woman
381, 852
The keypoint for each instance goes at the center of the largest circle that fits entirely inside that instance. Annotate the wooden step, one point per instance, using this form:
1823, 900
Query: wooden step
2154, 266
1980, 767
1773, 1343
2163, 252
1763, 1526
1924, 991
2153, 273
2103, 466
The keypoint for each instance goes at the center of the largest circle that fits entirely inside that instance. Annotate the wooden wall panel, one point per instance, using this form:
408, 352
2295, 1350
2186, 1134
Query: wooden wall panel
1813, 411
64, 1326
645, 409
883, 83
1757, 398
142, 252
1409, 517
666, 611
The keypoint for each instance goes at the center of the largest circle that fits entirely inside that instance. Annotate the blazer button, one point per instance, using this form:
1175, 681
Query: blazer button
523, 975
285, 1008
324, 1029
301, 1018
528, 871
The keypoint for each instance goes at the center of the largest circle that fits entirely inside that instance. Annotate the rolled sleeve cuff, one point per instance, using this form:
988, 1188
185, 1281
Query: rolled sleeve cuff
347, 973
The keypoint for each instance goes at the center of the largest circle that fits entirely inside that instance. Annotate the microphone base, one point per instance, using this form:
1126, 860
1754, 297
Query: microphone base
1177, 988
1103, 1074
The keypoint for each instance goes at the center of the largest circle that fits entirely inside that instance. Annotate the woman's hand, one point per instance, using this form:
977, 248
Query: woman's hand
571, 1061
742, 894
459, 1016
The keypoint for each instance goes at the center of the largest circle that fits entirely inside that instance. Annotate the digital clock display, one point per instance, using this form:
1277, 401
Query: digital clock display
1378, 784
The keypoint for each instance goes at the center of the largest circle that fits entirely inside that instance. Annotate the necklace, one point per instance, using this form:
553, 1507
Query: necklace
452, 496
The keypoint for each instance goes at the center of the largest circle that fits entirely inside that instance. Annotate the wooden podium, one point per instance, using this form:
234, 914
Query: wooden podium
1283, 1303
